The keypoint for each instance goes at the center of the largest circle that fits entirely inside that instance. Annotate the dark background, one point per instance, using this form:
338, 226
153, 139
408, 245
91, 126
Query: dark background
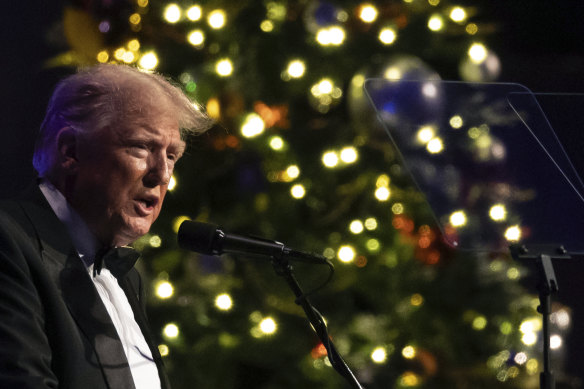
539, 44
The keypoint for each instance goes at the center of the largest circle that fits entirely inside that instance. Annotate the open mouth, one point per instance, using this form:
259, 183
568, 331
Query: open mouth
146, 204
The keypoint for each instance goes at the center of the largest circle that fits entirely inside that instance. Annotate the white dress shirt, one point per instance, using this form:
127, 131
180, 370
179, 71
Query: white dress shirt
142, 366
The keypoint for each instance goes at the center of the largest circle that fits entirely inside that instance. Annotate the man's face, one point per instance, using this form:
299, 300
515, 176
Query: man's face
123, 174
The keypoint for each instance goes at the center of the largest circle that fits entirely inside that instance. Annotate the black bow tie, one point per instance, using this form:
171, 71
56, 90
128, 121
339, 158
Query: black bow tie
118, 260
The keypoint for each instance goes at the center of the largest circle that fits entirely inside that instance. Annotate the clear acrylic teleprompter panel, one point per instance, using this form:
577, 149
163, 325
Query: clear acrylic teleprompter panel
489, 181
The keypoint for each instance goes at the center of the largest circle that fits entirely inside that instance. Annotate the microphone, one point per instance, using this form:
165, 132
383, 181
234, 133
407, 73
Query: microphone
208, 239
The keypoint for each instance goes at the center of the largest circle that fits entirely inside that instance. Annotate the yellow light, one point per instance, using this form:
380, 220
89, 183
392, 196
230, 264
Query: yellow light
135, 18
392, 73
253, 125
530, 325
148, 61
382, 181
142, 3
196, 37
379, 355
472, 28
276, 143
425, 134
267, 26
134, 45
297, 191
217, 19
382, 193
224, 67
296, 68
506, 328
477, 53
330, 159
119, 53
555, 342
224, 302
409, 378
163, 350
513, 273
293, 171
368, 13
434, 2
172, 183
346, 254
479, 323
458, 14
323, 87
194, 13
387, 36
171, 331
349, 154
372, 245
333, 35
371, 223
529, 339
128, 57
268, 326
498, 212
102, 57
435, 146
172, 13
456, 122
435, 23
397, 208
214, 108
409, 352
356, 227
416, 300
155, 241
178, 221
164, 290
532, 366
458, 219
513, 233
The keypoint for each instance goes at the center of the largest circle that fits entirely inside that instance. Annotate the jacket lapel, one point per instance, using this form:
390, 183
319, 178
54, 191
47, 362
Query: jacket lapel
70, 275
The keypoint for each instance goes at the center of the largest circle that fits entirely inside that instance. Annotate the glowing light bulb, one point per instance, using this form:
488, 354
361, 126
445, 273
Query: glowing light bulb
349, 154
409, 352
425, 134
379, 355
456, 122
435, 23
224, 302
196, 37
163, 350
224, 67
356, 227
155, 241
371, 223
268, 326
330, 159
387, 36
498, 212
194, 13
252, 126
479, 323
172, 13
458, 14
148, 61
164, 290
293, 171
171, 331
217, 19
346, 254
297, 191
435, 146
276, 143
513, 233
477, 53
382, 193
296, 68
368, 13
458, 219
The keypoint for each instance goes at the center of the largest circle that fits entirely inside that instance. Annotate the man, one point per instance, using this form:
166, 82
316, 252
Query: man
71, 311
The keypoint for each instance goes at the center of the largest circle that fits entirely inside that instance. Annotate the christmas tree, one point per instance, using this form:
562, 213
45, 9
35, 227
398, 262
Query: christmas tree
296, 155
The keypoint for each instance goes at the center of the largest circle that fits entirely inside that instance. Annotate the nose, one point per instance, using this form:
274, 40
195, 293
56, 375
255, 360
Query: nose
159, 171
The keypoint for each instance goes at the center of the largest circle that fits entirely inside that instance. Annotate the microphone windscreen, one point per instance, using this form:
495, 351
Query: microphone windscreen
197, 236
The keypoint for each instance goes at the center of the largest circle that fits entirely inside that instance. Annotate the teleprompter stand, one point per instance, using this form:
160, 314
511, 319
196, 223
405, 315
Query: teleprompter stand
547, 284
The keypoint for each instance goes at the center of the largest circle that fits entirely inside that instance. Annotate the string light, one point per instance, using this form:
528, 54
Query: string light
498, 212
387, 36
409, 352
346, 254
196, 38
436, 23
224, 302
163, 350
435, 146
170, 331
298, 191
456, 122
102, 56
268, 326
477, 53
194, 13
349, 154
371, 223
217, 19
224, 67
276, 143
267, 26
458, 219
425, 134
148, 61
458, 14
164, 290
252, 126
296, 68
293, 171
330, 36
382, 193
172, 13
330, 159
513, 234
356, 227
155, 241
368, 13
379, 355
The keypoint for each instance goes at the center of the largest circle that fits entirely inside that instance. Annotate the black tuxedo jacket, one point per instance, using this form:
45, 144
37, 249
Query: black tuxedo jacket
55, 331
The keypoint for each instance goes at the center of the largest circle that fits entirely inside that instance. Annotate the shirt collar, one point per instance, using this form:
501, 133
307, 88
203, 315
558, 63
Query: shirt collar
83, 239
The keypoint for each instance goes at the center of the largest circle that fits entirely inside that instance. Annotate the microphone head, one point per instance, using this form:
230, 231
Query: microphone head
197, 236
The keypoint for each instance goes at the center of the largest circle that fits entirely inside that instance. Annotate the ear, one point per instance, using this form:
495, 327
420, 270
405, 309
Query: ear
67, 149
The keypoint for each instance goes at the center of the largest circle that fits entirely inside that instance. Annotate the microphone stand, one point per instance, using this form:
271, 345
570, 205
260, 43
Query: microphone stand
284, 269
546, 285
